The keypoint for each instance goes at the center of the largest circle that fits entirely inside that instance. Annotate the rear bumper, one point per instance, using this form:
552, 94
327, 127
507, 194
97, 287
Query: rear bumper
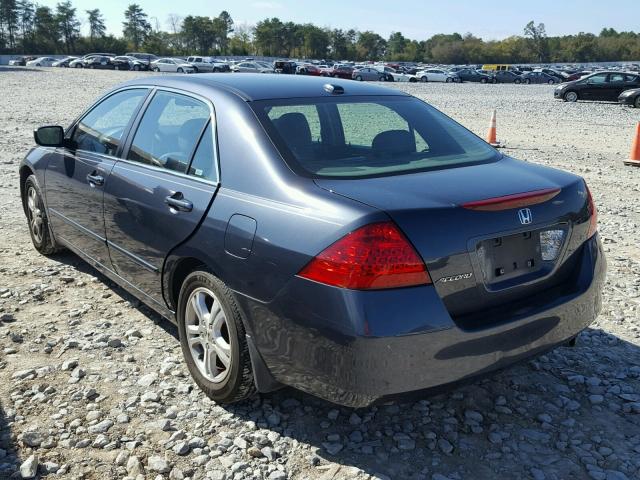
354, 348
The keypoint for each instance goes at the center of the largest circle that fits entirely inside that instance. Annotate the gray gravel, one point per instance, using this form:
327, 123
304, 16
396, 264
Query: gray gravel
92, 384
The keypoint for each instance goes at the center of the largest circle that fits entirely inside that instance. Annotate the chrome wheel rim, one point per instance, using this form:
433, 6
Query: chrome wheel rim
35, 214
572, 96
208, 335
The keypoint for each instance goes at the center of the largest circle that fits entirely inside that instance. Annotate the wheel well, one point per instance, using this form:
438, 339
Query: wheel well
25, 172
184, 267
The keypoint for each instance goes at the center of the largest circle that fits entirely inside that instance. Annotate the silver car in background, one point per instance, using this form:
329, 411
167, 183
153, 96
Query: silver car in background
174, 65
368, 74
251, 67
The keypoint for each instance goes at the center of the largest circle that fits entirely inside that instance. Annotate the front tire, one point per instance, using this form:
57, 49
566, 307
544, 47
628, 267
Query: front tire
551, 82
448, 80
527, 81
483, 80
636, 104
136, 68
213, 341
517, 81
37, 218
570, 96
156, 69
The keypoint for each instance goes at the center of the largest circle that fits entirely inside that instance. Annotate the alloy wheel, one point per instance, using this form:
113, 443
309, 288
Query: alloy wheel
35, 214
571, 96
637, 102
208, 335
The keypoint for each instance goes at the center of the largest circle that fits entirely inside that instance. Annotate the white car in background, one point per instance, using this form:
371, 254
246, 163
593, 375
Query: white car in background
252, 67
395, 76
435, 75
42, 62
174, 65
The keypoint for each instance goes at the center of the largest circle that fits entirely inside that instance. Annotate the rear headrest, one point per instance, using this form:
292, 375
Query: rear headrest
394, 141
294, 128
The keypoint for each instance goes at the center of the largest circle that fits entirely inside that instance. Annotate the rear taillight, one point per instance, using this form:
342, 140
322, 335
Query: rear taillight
375, 256
593, 215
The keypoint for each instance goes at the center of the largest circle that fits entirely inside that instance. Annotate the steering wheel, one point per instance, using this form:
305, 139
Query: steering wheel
165, 157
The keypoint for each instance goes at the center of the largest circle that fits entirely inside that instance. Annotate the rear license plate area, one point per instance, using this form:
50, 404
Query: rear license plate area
509, 257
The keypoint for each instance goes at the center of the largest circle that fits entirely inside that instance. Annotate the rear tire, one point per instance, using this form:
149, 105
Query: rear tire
180, 70
483, 80
551, 82
78, 65
517, 81
570, 96
37, 218
359, 78
527, 81
424, 79
208, 316
156, 69
448, 80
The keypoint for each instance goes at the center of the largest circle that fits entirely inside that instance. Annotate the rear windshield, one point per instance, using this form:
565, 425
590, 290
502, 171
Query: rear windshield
355, 137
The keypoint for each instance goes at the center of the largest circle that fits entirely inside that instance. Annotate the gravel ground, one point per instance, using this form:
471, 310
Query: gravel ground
92, 384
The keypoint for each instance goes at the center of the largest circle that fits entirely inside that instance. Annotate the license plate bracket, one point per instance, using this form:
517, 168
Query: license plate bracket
509, 257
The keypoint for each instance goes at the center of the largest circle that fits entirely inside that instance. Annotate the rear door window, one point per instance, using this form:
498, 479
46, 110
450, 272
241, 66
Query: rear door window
169, 131
101, 129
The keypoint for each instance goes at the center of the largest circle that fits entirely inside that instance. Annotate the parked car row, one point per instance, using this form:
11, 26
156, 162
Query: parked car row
623, 87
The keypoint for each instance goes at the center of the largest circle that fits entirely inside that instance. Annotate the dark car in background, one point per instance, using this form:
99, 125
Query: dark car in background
288, 67
507, 76
81, 62
630, 97
64, 62
100, 62
603, 86
471, 75
538, 77
143, 57
124, 62
376, 247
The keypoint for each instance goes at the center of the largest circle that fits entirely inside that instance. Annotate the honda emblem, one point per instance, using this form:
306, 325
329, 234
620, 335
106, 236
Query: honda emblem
525, 216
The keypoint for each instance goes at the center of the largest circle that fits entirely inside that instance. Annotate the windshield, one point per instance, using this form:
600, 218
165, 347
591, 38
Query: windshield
354, 137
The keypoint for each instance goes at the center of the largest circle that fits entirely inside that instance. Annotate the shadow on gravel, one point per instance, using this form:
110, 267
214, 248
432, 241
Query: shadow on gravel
9, 460
564, 413
4, 68
559, 416
71, 259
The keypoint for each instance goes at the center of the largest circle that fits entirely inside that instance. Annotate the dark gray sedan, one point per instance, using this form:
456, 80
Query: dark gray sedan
369, 74
538, 77
339, 237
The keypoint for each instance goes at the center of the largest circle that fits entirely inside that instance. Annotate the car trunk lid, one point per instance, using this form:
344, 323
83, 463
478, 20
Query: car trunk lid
484, 243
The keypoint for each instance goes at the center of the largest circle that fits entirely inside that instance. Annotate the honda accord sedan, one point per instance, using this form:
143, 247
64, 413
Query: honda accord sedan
338, 237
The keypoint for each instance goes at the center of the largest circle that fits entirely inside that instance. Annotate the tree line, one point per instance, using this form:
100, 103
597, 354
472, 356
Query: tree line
29, 28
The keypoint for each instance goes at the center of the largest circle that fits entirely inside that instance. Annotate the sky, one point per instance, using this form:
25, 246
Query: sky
416, 19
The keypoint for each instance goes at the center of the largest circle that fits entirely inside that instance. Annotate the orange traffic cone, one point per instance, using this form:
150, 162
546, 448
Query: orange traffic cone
634, 156
491, 134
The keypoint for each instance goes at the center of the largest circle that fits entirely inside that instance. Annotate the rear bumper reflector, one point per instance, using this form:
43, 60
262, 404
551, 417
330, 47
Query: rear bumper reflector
515, 200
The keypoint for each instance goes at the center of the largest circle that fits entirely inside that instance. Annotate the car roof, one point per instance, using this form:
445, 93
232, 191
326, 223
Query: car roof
260, 86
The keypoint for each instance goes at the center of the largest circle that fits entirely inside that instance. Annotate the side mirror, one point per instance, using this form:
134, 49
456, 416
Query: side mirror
49, 136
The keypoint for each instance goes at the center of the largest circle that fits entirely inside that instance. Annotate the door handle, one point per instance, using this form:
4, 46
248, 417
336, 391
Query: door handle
95, 179
178, 202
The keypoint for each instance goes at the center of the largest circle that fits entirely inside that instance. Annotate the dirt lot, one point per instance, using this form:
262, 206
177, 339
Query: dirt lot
92, 383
